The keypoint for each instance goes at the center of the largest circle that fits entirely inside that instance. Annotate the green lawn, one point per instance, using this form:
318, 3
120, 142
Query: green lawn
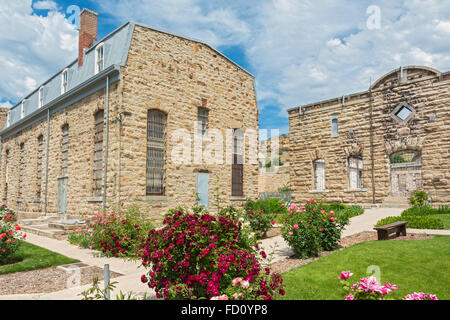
31, 257
445, 218
412, 265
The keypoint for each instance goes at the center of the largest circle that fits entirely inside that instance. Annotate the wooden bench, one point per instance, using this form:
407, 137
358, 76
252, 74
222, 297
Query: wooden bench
398, 227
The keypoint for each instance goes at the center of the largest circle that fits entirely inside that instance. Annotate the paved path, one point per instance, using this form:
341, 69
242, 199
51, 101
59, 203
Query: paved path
130, 281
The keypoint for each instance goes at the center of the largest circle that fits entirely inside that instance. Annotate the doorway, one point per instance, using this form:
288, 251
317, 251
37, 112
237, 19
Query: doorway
62, 196
405, 172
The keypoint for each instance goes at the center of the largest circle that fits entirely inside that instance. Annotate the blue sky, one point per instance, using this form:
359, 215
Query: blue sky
300, 51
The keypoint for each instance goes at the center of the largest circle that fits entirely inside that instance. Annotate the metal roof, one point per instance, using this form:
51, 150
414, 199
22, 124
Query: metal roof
116, 44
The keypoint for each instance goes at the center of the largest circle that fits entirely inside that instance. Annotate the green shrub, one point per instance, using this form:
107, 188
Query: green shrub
262, 214
114, 234
414, 222
312, 229
418, 198
425, 211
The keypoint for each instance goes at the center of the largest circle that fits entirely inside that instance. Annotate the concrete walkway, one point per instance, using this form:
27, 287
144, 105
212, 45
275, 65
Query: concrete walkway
130, 281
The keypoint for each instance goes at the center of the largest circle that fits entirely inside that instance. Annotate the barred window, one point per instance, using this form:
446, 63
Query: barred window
64, 149
319, 174
21, 169
237, 167
202, 118
355, 172
39, 166
98, 153
156, 152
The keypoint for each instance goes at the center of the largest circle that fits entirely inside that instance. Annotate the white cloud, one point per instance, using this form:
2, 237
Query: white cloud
300, 51
32, 47
45, 5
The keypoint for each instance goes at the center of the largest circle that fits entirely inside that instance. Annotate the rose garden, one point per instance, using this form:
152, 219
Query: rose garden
195, 254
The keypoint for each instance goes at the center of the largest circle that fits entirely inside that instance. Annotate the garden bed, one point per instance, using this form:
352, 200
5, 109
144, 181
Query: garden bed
293, 262
46, 280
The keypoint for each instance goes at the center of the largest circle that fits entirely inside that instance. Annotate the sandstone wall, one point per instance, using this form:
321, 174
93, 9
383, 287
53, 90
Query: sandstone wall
80, 118
310, 138
176, 76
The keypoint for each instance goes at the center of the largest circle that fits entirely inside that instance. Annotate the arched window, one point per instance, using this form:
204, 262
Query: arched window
319, 174
156, 152
98, 153
355, 172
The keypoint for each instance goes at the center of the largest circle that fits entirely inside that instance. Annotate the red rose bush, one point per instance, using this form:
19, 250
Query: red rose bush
198, 256
10, 235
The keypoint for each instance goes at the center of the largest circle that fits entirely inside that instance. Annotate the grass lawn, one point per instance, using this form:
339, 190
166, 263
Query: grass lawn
414, 266
31, 257
445, 218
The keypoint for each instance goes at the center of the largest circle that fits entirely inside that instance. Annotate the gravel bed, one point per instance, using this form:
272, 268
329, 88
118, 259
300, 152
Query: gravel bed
292, 262
47, 280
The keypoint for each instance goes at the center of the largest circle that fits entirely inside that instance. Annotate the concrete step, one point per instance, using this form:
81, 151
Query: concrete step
45, 231
38, 221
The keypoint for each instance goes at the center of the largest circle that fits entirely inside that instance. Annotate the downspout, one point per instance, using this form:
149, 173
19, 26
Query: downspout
46, 162
106, 145
371, 144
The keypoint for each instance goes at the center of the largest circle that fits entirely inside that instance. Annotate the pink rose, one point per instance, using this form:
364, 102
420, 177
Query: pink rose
236, 281
350, 297
345, 275
245, 284
296, 227
292, 208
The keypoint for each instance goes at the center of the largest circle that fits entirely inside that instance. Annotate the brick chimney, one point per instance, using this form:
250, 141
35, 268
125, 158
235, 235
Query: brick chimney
87, 33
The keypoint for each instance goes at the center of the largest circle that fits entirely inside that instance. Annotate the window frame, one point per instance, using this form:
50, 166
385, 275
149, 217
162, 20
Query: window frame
22, 109
64, 81
97, 176
156, 152
237, 166
316, 175
202, 120
100, 46
359, 172
334, 129
41, 97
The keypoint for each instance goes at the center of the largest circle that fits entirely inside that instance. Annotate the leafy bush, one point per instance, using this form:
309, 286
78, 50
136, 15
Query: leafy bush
198, 256
262, 214
418, 198
114, 234
10, 235
425, 211
343, 210
414, 222
312, 229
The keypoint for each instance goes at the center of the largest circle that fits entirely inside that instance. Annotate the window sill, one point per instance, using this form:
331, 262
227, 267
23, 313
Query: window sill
241, 198
319, 191
95, 199
356, 190
157, 198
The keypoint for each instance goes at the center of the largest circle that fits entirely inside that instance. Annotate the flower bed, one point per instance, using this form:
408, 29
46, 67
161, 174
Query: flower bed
369, 289
115, 234
10, 235
198, 256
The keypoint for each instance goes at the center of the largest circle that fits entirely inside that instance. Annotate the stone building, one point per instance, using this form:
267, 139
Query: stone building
376, 146
102, 132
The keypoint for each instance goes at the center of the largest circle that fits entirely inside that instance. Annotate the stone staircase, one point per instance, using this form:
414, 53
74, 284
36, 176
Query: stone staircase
50, 227
395, 202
